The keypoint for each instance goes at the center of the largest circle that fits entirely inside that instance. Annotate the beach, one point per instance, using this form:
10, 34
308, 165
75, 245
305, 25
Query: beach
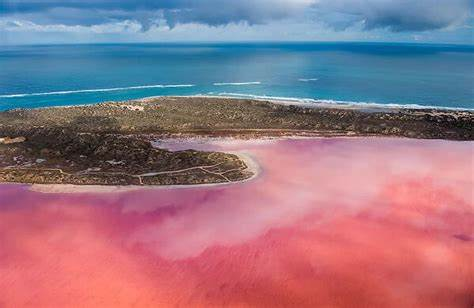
112, 143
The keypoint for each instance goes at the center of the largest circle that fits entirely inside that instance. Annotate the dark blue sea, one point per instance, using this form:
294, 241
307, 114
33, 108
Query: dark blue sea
353, 73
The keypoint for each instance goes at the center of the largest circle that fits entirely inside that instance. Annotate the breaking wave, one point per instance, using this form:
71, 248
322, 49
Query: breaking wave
99, 90
315, 101
236, 83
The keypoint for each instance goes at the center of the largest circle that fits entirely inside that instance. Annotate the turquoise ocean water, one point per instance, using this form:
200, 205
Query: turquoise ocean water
359, 73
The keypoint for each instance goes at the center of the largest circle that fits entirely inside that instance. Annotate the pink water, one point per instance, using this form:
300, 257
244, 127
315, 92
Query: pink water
329, 222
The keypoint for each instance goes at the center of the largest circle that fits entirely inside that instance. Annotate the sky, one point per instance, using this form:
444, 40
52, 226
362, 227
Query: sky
107, 21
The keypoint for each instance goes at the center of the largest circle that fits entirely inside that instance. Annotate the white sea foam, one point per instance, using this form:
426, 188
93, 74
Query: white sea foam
308, 79
236, 83
99, 90
315, 102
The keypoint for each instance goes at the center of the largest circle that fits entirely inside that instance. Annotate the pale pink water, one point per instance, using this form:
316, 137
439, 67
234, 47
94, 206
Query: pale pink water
329, 222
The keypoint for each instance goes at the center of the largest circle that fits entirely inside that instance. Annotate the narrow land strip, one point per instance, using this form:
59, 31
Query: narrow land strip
109, 143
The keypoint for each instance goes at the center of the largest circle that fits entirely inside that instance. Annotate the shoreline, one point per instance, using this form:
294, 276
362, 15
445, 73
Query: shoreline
286, 101
252, 165
245, 107
112, 143
250, 162
321, 103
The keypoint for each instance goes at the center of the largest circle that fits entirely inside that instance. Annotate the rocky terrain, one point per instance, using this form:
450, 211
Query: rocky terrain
109, 143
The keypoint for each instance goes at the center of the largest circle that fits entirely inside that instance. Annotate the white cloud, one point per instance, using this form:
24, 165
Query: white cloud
396, 15
113, 27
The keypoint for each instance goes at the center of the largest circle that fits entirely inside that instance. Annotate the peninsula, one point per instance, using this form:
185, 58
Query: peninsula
110, 143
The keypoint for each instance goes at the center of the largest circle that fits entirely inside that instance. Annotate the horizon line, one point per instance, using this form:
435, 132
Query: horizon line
245, 42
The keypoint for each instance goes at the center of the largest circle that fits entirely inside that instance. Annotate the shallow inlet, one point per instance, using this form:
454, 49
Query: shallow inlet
335, 221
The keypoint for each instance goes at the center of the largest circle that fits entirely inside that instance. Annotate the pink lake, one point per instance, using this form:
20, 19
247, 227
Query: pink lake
328, 222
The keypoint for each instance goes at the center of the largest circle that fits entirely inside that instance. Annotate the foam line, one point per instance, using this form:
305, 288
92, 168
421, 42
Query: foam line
308, 79
236, 83
99, 90
316, 101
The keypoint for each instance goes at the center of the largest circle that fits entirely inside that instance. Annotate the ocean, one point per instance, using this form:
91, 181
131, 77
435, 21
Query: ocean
353, 73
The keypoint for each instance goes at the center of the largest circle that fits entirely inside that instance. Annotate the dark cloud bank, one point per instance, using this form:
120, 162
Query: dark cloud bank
395, 15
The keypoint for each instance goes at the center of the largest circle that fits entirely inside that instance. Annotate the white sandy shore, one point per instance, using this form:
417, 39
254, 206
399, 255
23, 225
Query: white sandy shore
252, 166
323, 103
305, 102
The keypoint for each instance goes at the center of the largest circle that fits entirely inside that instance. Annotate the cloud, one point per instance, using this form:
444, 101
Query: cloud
394, 15
210, 12
117, 27
217, 13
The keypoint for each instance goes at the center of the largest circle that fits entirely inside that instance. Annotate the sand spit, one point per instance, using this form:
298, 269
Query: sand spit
246, 157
